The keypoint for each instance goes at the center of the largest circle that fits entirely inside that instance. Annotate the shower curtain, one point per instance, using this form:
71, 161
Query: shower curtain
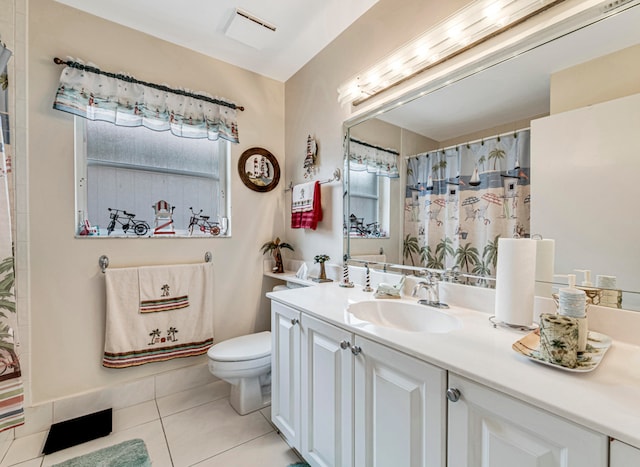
11, 388
460, 200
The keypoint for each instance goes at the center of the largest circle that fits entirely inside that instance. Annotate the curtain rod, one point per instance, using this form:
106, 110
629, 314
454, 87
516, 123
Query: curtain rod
160, 87
480, 140
373, 146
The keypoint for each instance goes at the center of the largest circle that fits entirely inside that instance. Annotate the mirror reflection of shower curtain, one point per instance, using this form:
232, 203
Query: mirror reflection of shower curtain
11, 388
459, 201
5, 54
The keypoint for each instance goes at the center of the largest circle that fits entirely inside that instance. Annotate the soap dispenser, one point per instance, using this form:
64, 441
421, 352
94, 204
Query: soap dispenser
594, 294
572, 302
586, 282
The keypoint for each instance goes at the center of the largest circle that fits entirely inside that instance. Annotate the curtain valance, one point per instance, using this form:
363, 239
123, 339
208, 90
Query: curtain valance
94, 94
374, 159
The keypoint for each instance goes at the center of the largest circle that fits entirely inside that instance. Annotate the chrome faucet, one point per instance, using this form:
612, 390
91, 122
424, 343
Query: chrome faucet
433, 295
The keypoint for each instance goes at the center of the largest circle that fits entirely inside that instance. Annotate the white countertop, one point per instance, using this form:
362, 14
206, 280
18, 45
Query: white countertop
606, 399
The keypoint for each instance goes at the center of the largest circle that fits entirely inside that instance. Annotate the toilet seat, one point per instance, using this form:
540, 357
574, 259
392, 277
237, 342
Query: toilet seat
243, 348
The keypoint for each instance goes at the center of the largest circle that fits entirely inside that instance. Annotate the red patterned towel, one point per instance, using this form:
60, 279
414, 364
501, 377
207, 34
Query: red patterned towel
306, 206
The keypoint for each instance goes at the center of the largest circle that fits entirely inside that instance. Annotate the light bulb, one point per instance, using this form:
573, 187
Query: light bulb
492, 11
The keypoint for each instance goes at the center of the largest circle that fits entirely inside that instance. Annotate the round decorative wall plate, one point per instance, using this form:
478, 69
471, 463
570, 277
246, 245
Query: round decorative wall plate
259, 170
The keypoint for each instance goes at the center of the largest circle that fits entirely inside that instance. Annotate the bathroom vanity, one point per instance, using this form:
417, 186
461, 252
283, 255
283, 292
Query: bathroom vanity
346, 392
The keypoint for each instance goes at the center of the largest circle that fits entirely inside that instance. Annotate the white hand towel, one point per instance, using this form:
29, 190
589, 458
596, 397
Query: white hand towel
133, 338
302, 197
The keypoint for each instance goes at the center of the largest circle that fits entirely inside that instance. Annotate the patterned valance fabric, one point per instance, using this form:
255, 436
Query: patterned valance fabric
91, 93
381, 161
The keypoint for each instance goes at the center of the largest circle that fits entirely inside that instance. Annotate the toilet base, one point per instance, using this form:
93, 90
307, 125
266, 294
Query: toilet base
250, 395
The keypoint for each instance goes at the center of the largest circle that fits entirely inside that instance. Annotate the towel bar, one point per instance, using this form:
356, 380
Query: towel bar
103, 261
336, 177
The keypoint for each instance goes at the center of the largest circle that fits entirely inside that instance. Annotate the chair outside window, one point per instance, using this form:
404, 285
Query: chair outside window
164, 218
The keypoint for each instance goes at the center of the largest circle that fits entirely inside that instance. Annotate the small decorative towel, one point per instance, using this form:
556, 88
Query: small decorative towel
163, 288
135, 337
306, 206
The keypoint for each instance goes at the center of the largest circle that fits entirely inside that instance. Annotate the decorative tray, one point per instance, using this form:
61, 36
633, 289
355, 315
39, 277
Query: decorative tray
597, 346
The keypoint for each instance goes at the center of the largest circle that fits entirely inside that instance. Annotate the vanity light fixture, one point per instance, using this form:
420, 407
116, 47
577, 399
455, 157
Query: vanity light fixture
469, 27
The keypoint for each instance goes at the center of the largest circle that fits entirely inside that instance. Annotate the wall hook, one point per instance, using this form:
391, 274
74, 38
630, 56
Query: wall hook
103, 262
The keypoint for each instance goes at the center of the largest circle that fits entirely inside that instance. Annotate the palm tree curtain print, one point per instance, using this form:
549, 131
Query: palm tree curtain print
460, 200
11, 387
5, 55
89, 92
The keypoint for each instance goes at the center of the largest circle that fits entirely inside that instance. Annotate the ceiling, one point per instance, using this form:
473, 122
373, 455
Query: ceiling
514, 90
303, 28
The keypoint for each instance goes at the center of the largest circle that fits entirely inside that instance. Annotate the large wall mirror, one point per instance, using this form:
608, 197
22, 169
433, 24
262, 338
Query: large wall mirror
492, 106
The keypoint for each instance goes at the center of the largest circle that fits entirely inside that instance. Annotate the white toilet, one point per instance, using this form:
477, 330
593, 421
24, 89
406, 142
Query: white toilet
245, 363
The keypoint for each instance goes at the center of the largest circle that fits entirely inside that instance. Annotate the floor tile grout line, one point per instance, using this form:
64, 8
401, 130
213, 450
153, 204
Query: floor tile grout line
164, 432
232, 447
190, 407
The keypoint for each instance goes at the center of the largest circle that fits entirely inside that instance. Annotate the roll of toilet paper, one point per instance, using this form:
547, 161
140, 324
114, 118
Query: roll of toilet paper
545, 256
515, 281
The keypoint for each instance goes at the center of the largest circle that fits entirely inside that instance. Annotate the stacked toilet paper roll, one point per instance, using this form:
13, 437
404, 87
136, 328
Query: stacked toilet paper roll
515, 281
545, 259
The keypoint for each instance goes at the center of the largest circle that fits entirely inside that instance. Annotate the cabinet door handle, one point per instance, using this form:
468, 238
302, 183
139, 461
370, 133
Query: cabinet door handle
345, 344
294, 321
355, 350
453, 394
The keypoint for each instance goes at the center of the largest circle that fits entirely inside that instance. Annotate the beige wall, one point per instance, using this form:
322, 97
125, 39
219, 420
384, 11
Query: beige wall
66, 286
312, 103
615, 75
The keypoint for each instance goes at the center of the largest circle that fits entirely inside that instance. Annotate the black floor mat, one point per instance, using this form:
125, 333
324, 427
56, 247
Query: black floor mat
79, 430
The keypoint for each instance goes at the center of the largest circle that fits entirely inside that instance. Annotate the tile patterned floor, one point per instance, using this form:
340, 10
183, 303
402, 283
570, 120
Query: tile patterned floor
197, 427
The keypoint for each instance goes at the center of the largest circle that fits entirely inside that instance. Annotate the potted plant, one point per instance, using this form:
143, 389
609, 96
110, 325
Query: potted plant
321, 260
274, 247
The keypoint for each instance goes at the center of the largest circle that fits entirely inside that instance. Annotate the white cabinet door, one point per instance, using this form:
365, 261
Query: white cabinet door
400, 409
285, 371
490, 429
327, 374
624, 455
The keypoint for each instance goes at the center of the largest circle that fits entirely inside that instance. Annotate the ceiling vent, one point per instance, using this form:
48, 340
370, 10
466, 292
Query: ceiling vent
250, 30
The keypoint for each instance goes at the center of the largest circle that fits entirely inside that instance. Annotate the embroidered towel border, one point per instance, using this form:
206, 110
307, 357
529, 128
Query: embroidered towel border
159, 354
164, 304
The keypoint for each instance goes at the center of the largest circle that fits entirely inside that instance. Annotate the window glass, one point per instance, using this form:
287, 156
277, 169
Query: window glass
368, 204
364, 195
128, 176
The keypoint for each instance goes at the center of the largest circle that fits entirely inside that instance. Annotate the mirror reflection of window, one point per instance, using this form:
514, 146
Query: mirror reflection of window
132, 168
369, 204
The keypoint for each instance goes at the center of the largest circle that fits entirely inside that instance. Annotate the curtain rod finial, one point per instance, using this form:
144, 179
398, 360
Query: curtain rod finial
59, 61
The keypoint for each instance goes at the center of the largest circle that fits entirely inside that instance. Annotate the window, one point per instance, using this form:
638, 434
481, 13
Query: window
127, 171
369, 205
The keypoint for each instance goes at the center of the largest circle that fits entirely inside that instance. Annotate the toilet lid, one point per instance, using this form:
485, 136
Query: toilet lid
249, 347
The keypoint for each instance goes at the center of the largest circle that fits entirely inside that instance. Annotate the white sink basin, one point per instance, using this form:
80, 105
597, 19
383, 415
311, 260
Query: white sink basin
406, 316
